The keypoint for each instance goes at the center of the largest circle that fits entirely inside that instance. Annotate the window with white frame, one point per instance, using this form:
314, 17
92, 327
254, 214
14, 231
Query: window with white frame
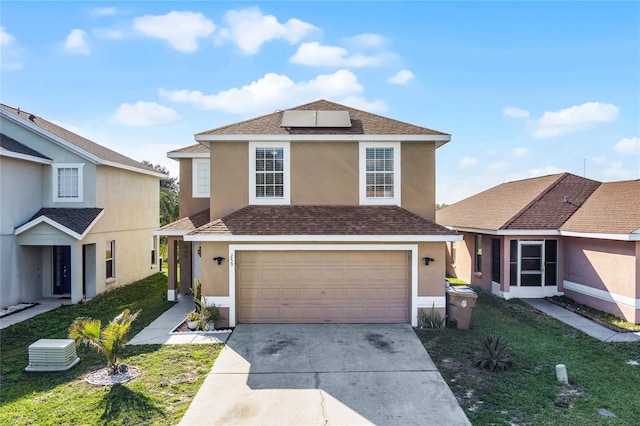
380, 173
201, 169
154, 251
110, 253
269, 173
67, 182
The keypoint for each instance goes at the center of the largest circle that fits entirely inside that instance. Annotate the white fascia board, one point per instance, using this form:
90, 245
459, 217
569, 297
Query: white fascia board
53, 138
170, 233
507, 232
134, 169
326, 238
26, 157
188, 155
322, 138
59, 227
602, 236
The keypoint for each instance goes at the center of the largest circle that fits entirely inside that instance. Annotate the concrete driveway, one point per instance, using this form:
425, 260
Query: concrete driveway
318, 374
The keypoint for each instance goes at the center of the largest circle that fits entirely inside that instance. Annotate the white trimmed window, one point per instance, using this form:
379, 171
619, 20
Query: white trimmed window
380, 173
110, 265
201, 169
67, 183
269, 173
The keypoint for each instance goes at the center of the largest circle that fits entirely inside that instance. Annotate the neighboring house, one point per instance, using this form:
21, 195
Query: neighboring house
320, 213
552, 235
76, 217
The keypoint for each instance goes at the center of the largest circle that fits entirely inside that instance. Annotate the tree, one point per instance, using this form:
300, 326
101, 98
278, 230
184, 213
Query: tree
169, 195
108, 341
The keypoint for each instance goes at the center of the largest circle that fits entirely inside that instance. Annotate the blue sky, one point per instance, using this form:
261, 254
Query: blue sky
525, 88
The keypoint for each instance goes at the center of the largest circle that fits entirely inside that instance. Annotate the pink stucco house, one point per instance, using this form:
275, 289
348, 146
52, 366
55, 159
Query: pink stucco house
551, 235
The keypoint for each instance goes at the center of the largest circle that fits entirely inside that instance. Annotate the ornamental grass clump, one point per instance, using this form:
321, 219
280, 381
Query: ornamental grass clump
492, 354
108, 341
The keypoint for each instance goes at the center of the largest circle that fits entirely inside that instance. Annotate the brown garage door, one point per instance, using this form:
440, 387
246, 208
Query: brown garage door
323, 286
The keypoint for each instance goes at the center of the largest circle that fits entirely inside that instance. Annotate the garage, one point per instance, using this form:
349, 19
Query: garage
323, 286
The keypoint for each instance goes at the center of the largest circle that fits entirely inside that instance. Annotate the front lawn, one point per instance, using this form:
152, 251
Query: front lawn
171, 374
601, 375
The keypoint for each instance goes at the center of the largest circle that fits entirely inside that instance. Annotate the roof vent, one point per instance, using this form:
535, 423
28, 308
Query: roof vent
32, 118
315, 118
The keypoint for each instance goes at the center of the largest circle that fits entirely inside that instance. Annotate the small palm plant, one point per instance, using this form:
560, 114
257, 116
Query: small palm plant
492, 354
108, 341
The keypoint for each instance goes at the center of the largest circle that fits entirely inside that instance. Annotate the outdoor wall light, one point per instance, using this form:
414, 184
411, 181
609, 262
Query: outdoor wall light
200, 251
219, 259
427, 260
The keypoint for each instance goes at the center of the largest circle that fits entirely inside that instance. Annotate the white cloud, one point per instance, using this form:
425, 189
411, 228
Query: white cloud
520, 152
108, 33
401, 77
467, 162
9, 55
250, 29
77, 42
628, 145
497, 167
145, 114
365, 41
515, 112
574, 119
316, 55
276, 91
104, 11
616, 171
549, 170
180, 29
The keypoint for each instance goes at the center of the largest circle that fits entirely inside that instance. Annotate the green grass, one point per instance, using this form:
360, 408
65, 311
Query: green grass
596, 314
171, 374
529, 394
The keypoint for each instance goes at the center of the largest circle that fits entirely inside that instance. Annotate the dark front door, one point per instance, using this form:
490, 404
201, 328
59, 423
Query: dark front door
61, 269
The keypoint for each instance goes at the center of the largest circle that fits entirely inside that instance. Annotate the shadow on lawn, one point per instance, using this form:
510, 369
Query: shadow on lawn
124, 406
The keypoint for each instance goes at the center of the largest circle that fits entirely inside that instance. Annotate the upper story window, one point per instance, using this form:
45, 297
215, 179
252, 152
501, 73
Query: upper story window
67, 182
201, 177
269, 173
380, 173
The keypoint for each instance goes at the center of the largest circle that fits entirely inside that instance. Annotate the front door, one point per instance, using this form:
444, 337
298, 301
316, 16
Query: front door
531, 263
61, 269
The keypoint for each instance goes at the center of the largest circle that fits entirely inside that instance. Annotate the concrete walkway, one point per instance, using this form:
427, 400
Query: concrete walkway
583, 324
43, 305
324, 374
159, 331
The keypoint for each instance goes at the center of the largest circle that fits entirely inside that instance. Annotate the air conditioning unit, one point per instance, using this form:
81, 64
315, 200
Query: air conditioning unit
52, 355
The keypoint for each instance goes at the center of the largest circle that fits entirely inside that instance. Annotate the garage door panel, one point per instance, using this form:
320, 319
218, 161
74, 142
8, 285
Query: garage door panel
318, 287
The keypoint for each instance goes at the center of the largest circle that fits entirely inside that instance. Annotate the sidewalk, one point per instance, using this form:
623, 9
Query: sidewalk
583, 324
159, 331
44, 305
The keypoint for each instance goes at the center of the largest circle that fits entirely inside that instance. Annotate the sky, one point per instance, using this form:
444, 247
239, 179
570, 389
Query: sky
524, 88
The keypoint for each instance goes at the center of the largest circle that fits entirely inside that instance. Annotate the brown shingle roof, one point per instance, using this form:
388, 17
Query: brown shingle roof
99, 151
186, 224
614, 208
191, 149
531, 204
322, 220
363, 123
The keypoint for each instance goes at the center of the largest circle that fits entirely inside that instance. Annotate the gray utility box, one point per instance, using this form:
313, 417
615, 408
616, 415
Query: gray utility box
460, 302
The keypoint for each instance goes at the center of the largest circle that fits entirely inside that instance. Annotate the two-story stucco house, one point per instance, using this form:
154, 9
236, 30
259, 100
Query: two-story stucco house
553, 235
77, 218
314, 214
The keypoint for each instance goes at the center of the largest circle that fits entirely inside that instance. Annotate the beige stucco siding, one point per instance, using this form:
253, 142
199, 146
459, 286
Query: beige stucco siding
188, 204
324, 173
431, 277
419, 179
229, 178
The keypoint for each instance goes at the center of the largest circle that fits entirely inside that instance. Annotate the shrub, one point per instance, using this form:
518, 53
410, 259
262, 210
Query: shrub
492, 354
431, 320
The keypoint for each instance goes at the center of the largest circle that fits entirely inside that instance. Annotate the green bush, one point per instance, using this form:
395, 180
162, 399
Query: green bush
492, 354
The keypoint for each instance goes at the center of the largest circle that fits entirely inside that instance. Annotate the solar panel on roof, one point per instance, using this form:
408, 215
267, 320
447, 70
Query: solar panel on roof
315, 118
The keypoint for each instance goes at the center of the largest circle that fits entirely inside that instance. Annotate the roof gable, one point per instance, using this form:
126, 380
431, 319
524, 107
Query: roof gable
363, 123
74, 222
90, 149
